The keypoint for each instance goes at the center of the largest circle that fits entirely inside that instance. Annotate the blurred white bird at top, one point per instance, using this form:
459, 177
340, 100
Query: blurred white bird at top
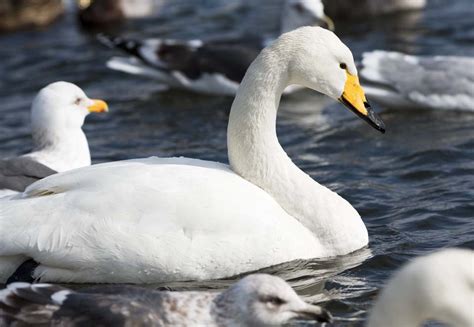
398, 80
213, 66
99, 12
364, 8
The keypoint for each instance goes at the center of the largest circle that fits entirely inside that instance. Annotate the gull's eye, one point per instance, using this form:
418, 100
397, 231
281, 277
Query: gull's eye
274, 300
77, 101
343, 65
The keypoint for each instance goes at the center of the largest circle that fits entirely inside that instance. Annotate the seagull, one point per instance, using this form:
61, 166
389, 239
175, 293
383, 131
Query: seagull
438, 286
255, 300
59, 144
210, 67
398, 80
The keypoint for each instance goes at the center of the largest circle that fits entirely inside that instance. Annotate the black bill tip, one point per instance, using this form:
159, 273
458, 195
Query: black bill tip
371, 118
317, 314
325, 316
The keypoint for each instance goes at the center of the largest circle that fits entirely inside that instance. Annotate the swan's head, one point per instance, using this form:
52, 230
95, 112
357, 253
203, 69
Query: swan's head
265, 300
62, 106
320, 61
297, 13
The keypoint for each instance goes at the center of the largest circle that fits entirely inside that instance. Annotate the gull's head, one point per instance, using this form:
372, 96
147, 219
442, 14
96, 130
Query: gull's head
264, 300
63, 105
298, 13
320, 61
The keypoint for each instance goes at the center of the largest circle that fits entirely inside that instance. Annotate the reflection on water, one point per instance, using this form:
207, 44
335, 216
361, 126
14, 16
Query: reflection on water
413, 186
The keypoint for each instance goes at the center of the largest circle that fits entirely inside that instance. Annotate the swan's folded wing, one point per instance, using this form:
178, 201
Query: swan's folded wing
17, 173
400, 80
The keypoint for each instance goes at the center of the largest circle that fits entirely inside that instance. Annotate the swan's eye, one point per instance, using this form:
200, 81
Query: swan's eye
343, 66
274, 300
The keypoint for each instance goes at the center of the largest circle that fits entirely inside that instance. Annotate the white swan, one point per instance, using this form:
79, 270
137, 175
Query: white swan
57, 116
398, 80
254, 301
439, 287
206, 66
163, 219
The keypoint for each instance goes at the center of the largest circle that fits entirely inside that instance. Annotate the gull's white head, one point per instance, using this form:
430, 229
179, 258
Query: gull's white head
62, 106
265, 300
318, 59
439, 287
298, 13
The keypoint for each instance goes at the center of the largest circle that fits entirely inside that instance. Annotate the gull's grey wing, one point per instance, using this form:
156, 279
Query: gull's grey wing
48, 304
19, 172
400, 80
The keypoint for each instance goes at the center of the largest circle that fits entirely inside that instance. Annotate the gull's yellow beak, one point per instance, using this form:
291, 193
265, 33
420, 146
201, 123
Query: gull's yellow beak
353, 98
98, 106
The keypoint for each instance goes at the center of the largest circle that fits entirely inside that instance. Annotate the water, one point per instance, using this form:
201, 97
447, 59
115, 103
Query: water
413, 186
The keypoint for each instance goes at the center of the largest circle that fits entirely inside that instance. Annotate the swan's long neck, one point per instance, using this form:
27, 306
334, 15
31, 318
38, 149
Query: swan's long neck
61, 149
256, 155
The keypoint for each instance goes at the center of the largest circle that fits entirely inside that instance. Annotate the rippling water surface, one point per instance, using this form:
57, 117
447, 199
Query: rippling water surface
413, 186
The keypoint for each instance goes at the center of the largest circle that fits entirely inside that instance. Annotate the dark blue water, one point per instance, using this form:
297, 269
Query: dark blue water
413, 186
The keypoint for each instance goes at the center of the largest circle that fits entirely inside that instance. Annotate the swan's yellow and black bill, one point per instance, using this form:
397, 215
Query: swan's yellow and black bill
353, 98
98, 106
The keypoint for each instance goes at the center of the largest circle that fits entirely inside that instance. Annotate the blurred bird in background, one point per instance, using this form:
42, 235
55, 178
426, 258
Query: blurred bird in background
207, 66
16, 14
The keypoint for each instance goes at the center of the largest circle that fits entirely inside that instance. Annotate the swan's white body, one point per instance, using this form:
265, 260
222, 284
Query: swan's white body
164, 219
439, 287
149, 220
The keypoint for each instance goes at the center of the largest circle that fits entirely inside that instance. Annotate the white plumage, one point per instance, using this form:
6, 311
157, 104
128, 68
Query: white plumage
164, 219
57, 115
439, 287
398, 80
